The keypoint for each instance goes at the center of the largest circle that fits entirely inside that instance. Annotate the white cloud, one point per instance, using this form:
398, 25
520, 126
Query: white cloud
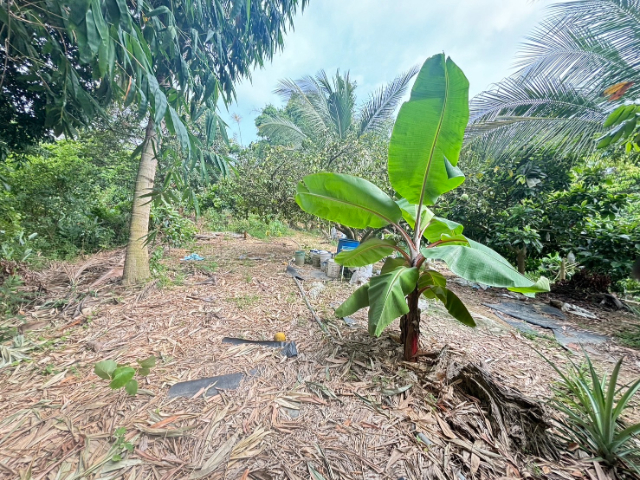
378, 39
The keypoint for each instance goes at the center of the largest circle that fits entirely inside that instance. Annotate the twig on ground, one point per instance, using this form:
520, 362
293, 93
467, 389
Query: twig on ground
313, 312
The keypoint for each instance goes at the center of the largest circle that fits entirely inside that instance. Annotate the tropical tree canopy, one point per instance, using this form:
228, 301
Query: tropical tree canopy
63, 61
574, 69
322, 108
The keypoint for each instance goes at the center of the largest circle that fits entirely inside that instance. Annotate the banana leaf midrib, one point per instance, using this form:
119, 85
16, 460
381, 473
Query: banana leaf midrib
435, 141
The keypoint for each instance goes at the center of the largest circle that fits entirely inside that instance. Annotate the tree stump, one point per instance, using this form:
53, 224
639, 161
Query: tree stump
517, 422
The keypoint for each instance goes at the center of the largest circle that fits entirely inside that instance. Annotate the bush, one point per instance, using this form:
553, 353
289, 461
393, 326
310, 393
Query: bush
580, 205
170, 227
551, 265
264, 178
76, 198
609, 246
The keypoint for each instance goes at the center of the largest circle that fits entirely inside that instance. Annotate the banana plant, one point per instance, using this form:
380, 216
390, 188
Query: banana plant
422, 165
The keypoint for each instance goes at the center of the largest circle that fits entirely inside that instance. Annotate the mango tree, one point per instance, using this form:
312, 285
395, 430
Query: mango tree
63, 61
422, 164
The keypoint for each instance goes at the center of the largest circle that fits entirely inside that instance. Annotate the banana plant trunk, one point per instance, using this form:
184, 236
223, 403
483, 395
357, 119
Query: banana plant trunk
410, 327
136, 263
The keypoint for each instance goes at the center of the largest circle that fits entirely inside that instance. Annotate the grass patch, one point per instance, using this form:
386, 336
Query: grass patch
244, 301
253, 225
630, 338
538, 336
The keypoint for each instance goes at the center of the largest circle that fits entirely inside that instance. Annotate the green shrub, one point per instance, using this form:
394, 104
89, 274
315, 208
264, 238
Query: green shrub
550, 266
75, 195
629, 287
170, 227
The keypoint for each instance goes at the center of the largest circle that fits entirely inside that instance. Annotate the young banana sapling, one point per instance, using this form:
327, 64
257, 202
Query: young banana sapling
423, 154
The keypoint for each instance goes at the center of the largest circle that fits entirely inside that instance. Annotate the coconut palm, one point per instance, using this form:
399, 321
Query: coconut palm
324, 109
577, 66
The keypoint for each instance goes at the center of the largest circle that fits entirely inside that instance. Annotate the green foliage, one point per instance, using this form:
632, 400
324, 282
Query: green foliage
387, 293
478, 263
423, 154
331, 196
579, 64
368, 252
264, 179
120, 444
11, 296
322, 110
623, 126
75, 195
18, 248
609, 246
427, 136
518, 239
553, 204
551, 265
593, 407
254, 225
260, 229
170, 226
121, 375
163, 58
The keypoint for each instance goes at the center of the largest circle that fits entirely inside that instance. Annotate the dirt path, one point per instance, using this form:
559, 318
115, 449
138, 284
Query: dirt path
337, 411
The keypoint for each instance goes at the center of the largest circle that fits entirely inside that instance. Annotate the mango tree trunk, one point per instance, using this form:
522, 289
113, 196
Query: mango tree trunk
410, 327
136, 263
522, 259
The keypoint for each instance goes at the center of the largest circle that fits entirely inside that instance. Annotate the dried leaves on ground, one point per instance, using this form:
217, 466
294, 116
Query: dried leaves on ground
346, 408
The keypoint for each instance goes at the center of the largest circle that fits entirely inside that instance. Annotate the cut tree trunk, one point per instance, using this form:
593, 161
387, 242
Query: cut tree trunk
136, 263
410, 327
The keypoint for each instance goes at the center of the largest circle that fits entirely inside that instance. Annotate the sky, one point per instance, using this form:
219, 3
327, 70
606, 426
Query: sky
376, 40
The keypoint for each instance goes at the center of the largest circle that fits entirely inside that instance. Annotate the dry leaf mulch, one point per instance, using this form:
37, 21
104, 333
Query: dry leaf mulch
346, 408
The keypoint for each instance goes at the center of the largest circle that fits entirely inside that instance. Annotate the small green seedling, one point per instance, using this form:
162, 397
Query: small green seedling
120, 444
121, 375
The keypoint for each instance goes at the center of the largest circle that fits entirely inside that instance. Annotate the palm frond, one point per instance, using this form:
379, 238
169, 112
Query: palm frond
566, 64
538, 112
341, 100
574, 54
305, 101
507, 135
534, 97
282, 130
316, 95
375, 113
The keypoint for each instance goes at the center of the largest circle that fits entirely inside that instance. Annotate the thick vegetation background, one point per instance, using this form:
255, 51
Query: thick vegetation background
72, 197
537, 189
